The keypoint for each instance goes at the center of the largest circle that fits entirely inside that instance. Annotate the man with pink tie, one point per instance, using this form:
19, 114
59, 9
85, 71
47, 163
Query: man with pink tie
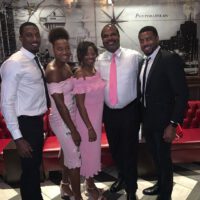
118, 67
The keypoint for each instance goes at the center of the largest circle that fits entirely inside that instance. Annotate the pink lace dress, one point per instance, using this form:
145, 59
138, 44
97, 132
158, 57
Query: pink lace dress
93, 87
70, 150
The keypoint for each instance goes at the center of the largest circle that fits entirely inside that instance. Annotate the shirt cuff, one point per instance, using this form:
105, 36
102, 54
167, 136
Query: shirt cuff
16, 134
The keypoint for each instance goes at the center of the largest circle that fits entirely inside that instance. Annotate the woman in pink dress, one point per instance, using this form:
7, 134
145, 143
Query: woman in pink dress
89, 93
62, 116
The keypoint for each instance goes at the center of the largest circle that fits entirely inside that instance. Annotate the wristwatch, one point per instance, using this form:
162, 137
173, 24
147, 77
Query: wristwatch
174, 124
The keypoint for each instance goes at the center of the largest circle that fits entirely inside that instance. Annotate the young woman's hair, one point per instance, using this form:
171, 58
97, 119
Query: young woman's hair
58, 33
83, 48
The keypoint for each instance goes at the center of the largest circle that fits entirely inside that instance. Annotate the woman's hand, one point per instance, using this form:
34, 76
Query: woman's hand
92, 134
76, 137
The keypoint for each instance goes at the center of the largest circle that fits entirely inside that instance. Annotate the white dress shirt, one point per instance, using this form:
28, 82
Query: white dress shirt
22, 89
127, 62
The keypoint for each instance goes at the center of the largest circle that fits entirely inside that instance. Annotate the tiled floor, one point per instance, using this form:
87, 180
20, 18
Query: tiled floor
186, 185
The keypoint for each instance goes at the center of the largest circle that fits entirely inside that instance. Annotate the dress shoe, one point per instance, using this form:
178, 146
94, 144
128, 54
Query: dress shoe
154, 190
117, 186
131, 196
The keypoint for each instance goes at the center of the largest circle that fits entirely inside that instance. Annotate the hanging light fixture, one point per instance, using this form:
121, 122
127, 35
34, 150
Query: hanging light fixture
110, 2
68, 1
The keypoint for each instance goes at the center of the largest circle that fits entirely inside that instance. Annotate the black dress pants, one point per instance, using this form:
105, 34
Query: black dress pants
32, 131
161, 152
122, 128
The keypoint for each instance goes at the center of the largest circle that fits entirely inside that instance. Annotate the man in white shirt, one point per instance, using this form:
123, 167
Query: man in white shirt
23, 103
121, 119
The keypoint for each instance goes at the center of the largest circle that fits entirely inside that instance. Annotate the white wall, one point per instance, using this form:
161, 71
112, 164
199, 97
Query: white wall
83, 18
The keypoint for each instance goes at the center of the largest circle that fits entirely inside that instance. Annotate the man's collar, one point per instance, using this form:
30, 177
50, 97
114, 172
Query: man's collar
27, 53
117, 52
153, 55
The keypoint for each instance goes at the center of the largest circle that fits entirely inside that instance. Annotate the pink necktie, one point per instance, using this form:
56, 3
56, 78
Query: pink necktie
113, 82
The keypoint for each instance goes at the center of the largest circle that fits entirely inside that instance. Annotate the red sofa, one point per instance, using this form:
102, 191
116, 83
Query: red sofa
52, 147
186, 148
5, 138
192, 115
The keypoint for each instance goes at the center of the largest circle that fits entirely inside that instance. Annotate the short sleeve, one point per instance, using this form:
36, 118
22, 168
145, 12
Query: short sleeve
80, 86
88, 84
54, 88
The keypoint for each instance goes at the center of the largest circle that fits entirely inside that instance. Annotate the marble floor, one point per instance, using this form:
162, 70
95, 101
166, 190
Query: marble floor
186, 185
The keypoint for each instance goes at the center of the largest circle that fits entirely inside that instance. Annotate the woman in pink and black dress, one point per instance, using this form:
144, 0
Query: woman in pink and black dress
63, 110
89, 93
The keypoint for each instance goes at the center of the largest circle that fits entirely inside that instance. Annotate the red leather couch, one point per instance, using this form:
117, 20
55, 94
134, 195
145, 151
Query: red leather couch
5, 138
52, 147
186, 148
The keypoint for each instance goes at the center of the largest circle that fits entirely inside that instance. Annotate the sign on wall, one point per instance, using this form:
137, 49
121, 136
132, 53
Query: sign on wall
84, 20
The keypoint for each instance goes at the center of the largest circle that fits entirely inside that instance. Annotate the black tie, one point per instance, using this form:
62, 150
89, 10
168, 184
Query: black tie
44, 81
144, 79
